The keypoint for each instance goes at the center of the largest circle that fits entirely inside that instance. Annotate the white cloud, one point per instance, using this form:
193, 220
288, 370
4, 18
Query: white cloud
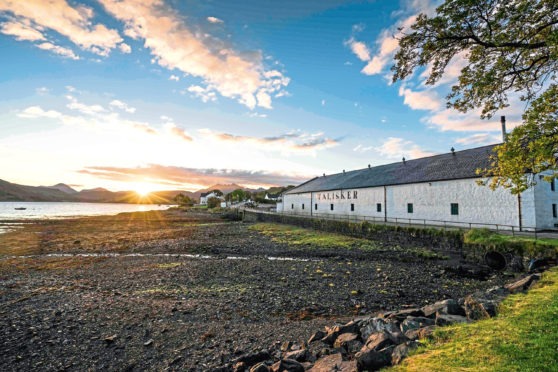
205, 94
34, 112
396, 148
175, 45
21, 30
83, 108
56, 49
70, 88
122, 105
72, 22
176, 131
480, 139
323, 102
359, 49
174, 77
214, 20
257, 115
125, 48
42, 90
421, 100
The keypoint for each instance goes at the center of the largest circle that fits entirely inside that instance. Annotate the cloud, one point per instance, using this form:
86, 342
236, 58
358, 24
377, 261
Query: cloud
56, 49
421, 100
214, 20
323, 102
359, 49
21, 30
83, 108
361, 148
122, 106
197, 176
395, 148
205, 94
174, 77
125, 48
292, 141
480, 139
72, 22
176, 45
257, 115
34, 112
42, 90
178, 132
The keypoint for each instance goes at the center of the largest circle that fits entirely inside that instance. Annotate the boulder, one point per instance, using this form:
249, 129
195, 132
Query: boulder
446, 319
252, 358
374, 325
415, 322
522, 284
260, 367
420, 333
317, 336
479, 308
298, 355
348, 341
334, 362
287, 365
351, 327
378, 341
449, 306
403, 314
400, 351
372, 360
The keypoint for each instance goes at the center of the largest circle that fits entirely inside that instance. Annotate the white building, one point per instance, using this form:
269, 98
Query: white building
435, 190
204, 197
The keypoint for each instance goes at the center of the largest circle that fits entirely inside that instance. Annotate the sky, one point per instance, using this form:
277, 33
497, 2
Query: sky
168, 94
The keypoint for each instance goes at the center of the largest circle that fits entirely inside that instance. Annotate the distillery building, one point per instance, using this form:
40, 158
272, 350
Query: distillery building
434, 190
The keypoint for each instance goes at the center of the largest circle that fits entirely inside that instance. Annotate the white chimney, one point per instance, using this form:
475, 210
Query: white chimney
503, 121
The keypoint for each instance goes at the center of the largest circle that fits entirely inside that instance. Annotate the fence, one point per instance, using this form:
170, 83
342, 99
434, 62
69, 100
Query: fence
415, 222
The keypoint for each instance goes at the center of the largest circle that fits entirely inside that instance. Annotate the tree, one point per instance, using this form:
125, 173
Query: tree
238, 195
182, 199
213, 202
217, 192
509, 46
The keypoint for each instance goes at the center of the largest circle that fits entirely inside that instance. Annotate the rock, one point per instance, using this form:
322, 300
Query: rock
371, 360
446, 319
110, 339
239, 367
343, 339
420, 333
541, 263
515, 264
373, 325
522, 284
298, 355
449, 306
398, 338
260, 367
287, 365
148, 342
378, 341
409, 323
317, 336
478, 308
351, 327
400, 351
286, 346
334, 362
403, 314
252, 358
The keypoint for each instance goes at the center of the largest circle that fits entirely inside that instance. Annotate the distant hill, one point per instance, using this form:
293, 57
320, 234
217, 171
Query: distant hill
225, 189
63, 187
14, 192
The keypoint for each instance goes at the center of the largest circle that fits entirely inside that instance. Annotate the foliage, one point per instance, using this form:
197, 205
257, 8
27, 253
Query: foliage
521, 338
182, 199
238, 195
508, 46
530, 147
213, 202
217, 192
493, 241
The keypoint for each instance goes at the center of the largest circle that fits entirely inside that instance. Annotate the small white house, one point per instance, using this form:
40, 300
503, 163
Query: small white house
272, 197
204, 197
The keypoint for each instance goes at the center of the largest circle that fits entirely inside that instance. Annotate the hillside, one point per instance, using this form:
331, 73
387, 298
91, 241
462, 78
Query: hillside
14, 192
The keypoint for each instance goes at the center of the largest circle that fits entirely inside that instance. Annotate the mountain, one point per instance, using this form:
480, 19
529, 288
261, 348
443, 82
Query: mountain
63, 187
227, 188
14, 192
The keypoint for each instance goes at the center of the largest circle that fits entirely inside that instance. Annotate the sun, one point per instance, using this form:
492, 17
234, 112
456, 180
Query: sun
143, 188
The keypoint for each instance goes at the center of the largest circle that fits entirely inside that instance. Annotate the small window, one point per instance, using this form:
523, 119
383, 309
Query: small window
379, 207
315, 207
554, 211
292, 206
552, 185
303, 206
409, 207
331, 206
352, 207
454, 209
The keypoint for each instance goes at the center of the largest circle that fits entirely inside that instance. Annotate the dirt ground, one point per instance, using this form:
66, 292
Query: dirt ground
188, 291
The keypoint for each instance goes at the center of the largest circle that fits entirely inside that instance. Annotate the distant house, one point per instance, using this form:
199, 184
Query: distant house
204, 197
273, 197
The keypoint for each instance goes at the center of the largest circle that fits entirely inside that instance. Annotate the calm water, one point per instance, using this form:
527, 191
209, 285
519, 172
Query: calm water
62, 209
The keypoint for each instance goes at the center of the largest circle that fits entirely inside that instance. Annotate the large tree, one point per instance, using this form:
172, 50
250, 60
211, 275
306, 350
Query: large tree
509, 46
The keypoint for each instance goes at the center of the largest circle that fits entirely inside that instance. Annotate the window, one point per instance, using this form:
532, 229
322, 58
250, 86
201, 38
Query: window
379, 207
331, 206
292, 206
552, 185
315, 207
302, 205
352, 207
554, 211
454, 209
409, 207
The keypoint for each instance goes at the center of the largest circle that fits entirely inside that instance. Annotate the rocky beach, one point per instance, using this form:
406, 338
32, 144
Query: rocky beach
184, 290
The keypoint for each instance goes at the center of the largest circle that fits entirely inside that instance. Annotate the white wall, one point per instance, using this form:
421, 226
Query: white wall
544, 198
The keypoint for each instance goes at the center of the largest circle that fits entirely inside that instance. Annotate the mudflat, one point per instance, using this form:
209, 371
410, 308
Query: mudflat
189, 290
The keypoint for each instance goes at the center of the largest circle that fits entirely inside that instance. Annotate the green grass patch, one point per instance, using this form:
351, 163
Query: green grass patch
493, 240
523, 337
303, 238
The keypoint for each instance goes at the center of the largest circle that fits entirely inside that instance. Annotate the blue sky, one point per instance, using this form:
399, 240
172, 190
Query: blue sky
167, 94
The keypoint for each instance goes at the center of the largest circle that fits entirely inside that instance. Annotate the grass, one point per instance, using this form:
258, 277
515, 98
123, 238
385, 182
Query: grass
523, 337
520, 244
299, 238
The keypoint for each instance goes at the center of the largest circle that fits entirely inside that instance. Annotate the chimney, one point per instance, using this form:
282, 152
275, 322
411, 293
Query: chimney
368, 166
452, 151
503, 121
403, 160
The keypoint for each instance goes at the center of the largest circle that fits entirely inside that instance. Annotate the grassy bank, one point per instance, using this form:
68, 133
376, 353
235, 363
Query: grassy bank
303, 238
523, 337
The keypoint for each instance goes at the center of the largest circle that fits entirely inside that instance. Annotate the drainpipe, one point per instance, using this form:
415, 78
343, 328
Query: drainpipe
504, 134
311, 204
519, 210
385, 204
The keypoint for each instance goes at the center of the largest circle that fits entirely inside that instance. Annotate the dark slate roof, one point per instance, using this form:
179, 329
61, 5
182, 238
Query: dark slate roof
450, 166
